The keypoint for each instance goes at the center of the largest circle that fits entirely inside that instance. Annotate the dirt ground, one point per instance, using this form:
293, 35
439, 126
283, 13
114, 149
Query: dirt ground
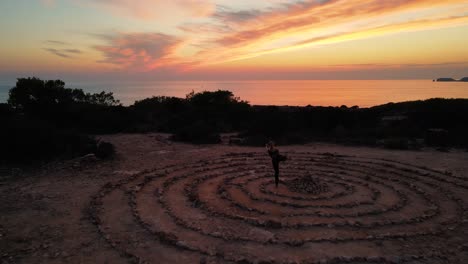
165, 202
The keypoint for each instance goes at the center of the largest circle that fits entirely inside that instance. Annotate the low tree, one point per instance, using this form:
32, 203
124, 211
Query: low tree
32, 94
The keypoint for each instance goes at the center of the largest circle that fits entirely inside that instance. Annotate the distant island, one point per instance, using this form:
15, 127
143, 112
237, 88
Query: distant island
464, 79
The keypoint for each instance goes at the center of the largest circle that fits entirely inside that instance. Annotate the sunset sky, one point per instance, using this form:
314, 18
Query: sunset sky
242, 39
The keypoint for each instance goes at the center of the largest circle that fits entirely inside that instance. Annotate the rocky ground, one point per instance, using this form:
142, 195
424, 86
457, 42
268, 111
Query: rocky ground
164, 202
307, 184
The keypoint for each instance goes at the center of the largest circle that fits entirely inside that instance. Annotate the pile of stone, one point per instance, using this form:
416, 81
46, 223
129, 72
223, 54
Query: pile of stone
307, 184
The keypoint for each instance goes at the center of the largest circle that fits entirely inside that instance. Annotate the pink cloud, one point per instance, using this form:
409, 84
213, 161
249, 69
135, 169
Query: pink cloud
152, 9
139, 51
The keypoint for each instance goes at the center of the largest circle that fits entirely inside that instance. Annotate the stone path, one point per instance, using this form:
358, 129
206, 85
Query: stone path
227, 210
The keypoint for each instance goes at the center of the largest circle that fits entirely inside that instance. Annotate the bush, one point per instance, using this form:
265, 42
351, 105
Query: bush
200, 117
34, 94
437, 137
5, 111
198, 133
23, 140
254, 140
105, 150
396, 143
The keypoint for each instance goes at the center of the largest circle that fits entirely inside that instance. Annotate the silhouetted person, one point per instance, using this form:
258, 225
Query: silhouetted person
276, 157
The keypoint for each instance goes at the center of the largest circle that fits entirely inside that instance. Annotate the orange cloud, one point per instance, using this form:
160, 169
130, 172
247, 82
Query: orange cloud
230, 35
311, 22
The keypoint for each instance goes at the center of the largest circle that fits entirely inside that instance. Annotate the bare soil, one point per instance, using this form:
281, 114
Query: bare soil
165, 202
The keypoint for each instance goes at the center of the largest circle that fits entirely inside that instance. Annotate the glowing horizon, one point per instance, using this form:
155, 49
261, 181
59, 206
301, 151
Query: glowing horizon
218, 39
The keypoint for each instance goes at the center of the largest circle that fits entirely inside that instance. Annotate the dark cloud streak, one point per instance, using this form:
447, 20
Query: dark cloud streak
64, 53
57, 52
57, 42
75, 51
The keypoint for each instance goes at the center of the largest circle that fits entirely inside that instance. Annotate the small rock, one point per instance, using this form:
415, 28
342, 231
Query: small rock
396, 259
181, 244
374, 259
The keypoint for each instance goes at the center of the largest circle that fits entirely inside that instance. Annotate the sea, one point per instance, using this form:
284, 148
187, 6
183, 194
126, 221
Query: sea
362, 93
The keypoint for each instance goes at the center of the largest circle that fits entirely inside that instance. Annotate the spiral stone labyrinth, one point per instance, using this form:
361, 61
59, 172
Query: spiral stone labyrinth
227, 210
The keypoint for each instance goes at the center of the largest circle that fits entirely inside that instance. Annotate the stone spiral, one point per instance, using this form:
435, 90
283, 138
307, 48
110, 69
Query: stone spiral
227, 210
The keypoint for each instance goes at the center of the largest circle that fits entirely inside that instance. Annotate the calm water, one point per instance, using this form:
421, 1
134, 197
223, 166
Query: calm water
363, 93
